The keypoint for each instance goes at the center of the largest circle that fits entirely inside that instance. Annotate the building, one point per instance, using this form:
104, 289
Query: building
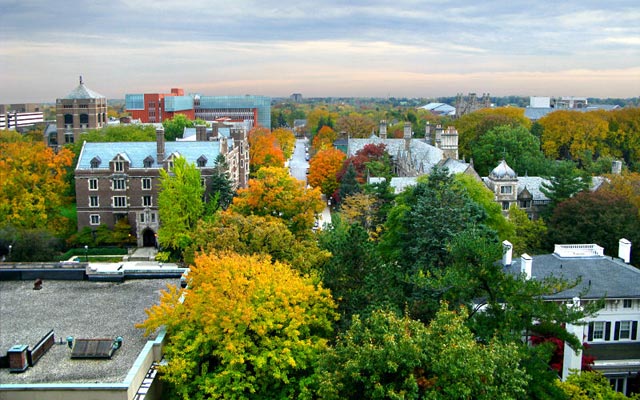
158, 107
92, 349
116, 181
81, 110
17, 116
470, 103
441, 109
540, 106
611, 334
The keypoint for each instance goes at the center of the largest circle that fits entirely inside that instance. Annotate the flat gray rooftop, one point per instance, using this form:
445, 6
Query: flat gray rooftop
81, 309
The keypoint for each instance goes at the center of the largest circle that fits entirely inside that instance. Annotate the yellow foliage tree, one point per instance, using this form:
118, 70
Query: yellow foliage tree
286, 140
324, 139
274, 192
247, 328
33, 185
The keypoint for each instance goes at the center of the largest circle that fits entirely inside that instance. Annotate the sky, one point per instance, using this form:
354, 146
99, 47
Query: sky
375, 48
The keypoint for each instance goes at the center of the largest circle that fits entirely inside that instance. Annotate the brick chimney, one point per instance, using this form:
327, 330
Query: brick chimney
383, 129
201, 133
407, 136
160, 144
427, 133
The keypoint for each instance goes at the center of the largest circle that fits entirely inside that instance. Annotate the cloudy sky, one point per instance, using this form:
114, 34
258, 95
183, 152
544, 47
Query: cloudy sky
401, 48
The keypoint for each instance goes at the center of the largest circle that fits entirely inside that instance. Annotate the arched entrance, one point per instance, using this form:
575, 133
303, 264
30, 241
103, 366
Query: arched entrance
148, 238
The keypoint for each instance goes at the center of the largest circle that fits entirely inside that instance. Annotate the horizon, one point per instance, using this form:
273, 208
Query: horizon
362, 50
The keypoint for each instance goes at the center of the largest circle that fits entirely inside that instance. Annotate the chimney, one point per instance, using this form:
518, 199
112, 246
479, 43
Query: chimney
407, 136
526, 263
160, 144
507, 253
572, 359
214, 131
624, 250
383, 129
427, 133
201, 133
438, 141
616, 167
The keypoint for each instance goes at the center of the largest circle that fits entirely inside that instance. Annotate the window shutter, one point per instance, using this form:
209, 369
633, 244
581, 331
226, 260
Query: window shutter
607, 331
634, 330
616, 331
590, 335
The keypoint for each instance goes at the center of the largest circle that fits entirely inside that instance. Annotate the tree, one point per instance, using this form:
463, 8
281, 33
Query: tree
516, 145
529, 235
626, 185
356, 125
323, 140
221, 186
564, 182
264, 151
286, 141
248, 328
323, 170
624, 135
349, 184
590, 385
569, 135
180, 204
174, 127
33, 186
386, 357
600, 217
252, 234
274, 192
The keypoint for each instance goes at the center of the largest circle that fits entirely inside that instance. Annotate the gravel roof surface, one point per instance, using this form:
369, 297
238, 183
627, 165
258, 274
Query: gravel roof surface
82, 309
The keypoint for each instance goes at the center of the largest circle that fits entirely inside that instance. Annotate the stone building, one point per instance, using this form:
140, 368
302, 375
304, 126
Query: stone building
116, 181
81, 110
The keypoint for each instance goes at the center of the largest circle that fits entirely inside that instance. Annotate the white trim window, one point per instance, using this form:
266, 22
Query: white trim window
94, 201
93, 184
119, 184
94, 219
119, 201
146, 201
505, 189
146, 183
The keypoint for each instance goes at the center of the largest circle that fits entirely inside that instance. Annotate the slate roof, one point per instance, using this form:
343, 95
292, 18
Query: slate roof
503, 171
440, 108
533, 185
83, 92
136, 152
601, 275
421, 152
455, 166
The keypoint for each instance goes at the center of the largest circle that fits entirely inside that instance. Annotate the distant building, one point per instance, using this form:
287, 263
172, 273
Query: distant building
470, 103
441, 109
158, 107
540, 106
117, 181
296, 98
81, 110
17, 116
611, 334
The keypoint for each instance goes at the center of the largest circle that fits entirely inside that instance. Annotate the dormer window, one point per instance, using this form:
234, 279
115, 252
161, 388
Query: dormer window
505, 189
118, 166
95, 162
202, 161
148, 162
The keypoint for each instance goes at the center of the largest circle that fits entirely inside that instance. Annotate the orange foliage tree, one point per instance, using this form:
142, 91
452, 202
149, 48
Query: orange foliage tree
324, 139
264, 152
323, 170
247, 328
286, 140
274, 192
33, 185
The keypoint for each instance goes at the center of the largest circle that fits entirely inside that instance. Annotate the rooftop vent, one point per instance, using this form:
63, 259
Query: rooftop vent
94, 348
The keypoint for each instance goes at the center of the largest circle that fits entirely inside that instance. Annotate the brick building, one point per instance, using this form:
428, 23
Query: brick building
80, 111
248, 111
117, 181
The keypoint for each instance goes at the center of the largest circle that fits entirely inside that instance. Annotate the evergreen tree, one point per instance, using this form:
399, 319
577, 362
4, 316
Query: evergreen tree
221, 187
349, 183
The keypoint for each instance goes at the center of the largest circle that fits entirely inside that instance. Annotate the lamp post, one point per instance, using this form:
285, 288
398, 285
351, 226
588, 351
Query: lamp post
86, 253
9, 256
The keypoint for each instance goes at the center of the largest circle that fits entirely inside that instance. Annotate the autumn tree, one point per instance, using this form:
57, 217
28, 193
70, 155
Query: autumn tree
626, 185
253, 234
274, 192
570, 135
323, 170
264, 150
624, 135
370, 160
286, 141
33, 184
323, 140
320, 117
356, 125
247, 328
180, 204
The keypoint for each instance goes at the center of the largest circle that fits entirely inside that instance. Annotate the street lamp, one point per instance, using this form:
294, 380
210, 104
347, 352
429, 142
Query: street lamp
9, 256
86, 253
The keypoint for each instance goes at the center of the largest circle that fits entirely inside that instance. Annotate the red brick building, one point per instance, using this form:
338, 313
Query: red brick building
152, 107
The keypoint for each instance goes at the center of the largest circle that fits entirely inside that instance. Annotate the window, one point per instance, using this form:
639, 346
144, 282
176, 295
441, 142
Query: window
505, 189
148, 162
598, 330
94, 219
202, 161
203, 182
93, 184
142, 218
118, 166
525, 203
119, 201
94, 201
146, 183
505, 205
170, 164
146, 201
626, 330
618, 384
627, 303
119, 184
153, 217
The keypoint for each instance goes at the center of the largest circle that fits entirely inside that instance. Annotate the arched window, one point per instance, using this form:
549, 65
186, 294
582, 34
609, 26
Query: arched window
68, 121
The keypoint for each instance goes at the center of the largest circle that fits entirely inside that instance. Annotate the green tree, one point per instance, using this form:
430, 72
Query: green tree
349, 183
180, 204
247, 328
529, 235
564, 182
515, 144
221, 186
174, 127
589, 385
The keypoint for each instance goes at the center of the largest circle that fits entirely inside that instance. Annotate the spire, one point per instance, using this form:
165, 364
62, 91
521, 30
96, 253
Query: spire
81, 79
